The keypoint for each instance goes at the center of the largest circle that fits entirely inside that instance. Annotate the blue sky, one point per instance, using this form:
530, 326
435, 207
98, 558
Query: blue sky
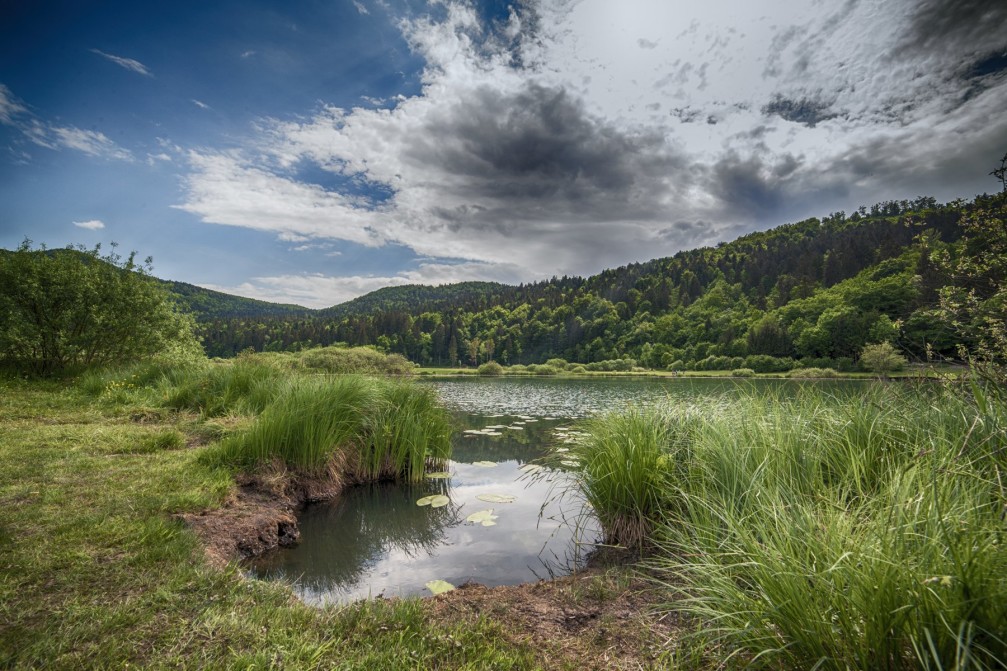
310, 152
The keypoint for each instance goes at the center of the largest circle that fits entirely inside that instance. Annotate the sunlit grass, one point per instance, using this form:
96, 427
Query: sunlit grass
365, 428
837, 533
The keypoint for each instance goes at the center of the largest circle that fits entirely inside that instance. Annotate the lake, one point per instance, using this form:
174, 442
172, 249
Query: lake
375, 540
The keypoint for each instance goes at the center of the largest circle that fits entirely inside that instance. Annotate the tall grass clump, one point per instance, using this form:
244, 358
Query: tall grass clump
245, 386
858, 532
625, 465
355, 428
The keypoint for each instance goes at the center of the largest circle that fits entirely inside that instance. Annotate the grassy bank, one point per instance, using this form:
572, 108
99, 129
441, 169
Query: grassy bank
97, 572
819, 532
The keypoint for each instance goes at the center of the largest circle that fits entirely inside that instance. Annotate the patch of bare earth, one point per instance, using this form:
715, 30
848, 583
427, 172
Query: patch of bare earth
594, 620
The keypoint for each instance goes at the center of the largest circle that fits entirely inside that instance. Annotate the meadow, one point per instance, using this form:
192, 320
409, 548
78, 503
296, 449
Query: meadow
802, 531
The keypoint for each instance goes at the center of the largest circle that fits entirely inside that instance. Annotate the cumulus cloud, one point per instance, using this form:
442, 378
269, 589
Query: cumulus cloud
539, 144
90, 224
127, 63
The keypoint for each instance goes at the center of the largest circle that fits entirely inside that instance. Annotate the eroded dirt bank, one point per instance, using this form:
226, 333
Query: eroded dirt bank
259, 516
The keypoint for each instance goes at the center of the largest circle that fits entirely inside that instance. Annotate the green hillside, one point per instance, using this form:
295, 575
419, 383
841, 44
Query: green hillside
810, 293
207, 304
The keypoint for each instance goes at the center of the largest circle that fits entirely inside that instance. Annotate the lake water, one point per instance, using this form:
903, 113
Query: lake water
374, 540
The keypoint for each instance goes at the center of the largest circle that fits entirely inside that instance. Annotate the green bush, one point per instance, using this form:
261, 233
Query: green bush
742, 372
73, 309
812, 373
881, 358
353, 360
491, 368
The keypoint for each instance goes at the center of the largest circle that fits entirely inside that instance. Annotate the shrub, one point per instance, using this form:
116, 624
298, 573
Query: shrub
353, 360
763, 363
72, 309
491, 368
742, 372
813, 373
559, 364
881, 358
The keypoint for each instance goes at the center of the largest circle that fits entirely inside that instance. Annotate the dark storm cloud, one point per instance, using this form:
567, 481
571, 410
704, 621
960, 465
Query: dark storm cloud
804, 111
753, 187
941, 25
537, 154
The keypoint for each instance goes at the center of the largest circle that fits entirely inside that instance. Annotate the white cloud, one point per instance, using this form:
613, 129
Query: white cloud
587, 135
360, 7
90, 224
200, 104
316, 290
10, 106
90, 142
127, 63
17, 115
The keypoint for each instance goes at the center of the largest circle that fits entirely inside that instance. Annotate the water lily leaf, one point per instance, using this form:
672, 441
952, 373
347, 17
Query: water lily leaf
570, 462
434, 501
516, 428
497, 498
483, 517
484, 464
440, 475
531, 468
472, 431
439, 586
492, 433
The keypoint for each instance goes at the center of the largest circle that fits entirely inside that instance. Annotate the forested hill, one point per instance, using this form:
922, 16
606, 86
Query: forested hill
207, 304
417, 298
814, 291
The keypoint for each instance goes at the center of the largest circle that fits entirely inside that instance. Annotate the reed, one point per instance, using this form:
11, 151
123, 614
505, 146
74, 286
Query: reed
844, 533
360, 429
625, 466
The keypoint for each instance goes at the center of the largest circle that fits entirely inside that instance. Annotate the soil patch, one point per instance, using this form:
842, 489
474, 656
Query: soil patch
593, 620
261, 515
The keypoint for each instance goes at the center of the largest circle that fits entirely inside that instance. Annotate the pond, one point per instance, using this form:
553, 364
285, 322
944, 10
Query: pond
375, 540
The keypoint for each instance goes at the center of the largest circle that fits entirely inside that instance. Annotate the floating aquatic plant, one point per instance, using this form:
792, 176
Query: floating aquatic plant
434, 501
483, 517
497, 498
484, 464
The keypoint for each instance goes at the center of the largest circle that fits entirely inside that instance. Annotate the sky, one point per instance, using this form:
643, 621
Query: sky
309, 152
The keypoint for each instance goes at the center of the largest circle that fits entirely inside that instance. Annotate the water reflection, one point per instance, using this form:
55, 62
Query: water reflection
374, 539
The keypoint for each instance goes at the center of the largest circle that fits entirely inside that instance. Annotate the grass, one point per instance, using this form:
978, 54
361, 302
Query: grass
817, 532
366, 429
96, 571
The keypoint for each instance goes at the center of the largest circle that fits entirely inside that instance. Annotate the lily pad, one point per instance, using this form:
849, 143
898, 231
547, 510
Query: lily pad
497, 498
439, 586
434, 501
570, 462
440, 475
483, 517
485, 464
